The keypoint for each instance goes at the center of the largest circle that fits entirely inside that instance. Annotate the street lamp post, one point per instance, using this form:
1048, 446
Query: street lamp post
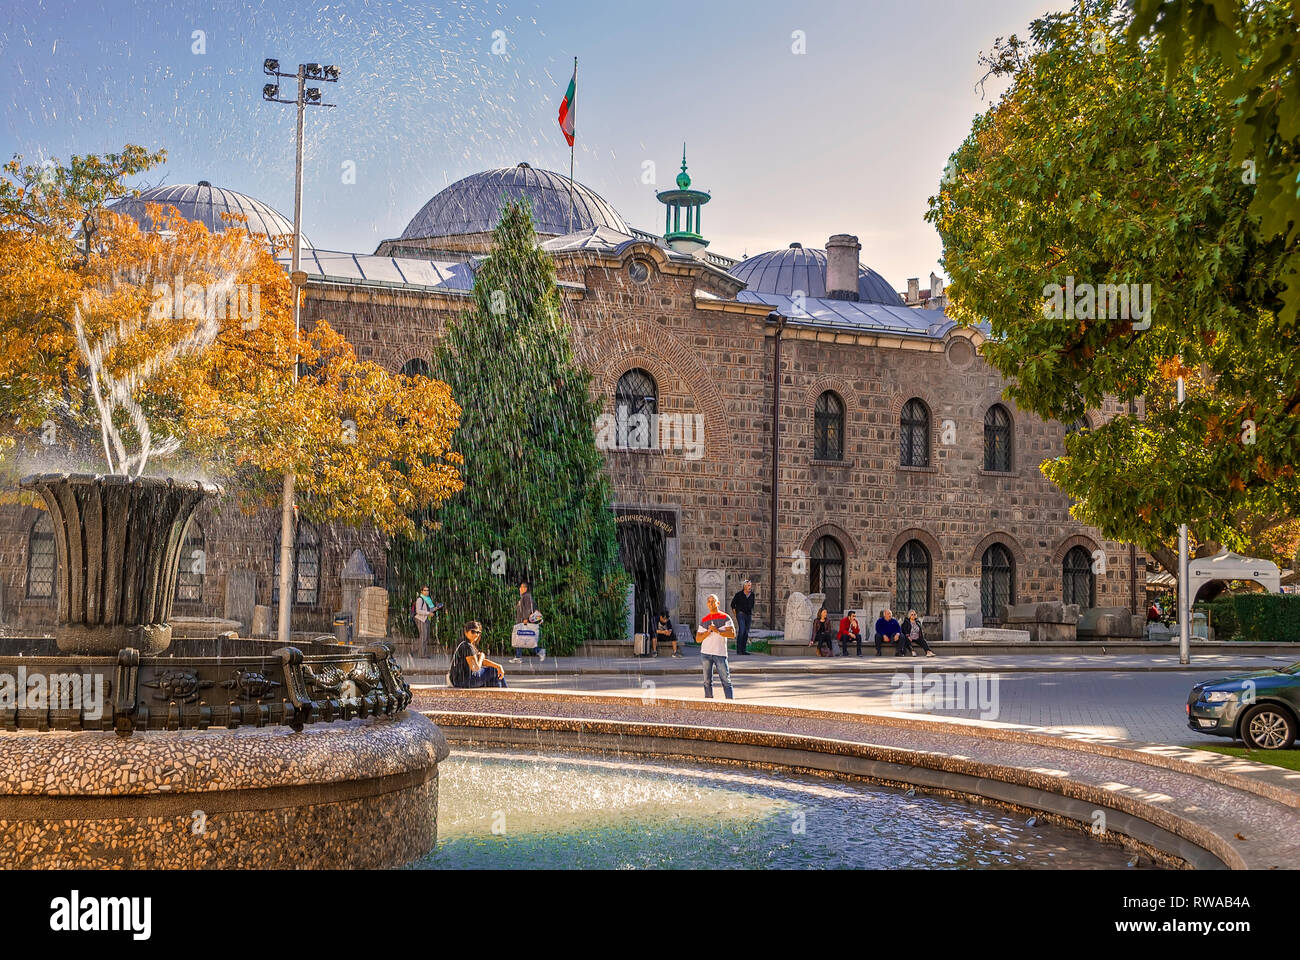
1184, 577
307, 97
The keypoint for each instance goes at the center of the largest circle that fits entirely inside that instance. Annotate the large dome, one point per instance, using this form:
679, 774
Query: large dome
203, 202
473, 205
795, 268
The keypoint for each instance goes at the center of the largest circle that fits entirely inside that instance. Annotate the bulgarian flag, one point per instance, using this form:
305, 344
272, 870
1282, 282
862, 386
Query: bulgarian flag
567, 107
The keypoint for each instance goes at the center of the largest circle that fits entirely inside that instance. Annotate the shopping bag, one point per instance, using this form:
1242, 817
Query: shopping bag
526, 635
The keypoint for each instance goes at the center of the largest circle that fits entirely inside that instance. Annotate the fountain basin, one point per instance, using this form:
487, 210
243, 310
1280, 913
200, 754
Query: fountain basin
118, 541
360, 794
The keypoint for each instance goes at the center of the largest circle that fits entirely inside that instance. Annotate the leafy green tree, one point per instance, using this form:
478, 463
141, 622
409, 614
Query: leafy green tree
1098, 167
536, 502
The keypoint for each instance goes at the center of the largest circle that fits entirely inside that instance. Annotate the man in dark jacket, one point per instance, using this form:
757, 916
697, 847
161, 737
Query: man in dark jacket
742, 609
887, 629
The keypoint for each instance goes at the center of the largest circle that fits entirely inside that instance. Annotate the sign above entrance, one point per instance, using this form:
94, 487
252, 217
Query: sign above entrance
664, 521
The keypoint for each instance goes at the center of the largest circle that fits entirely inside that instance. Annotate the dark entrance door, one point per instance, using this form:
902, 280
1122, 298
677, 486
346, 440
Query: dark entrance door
641, 549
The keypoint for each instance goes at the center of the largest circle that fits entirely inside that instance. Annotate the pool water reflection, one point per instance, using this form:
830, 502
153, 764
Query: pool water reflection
512, 809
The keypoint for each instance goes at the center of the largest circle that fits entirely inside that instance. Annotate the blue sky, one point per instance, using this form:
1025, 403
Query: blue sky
850, 136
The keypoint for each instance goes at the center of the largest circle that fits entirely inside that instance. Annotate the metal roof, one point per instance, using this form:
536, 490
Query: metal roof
854, 316
473, 205
800, 269
334, 265
205, 203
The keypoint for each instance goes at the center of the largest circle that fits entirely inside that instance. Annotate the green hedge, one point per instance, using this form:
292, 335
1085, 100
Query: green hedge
1266, 617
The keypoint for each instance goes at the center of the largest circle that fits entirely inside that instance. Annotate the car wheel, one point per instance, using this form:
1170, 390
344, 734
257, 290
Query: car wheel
1267, 727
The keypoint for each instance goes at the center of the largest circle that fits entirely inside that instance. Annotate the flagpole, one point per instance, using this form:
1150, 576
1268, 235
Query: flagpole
574, 108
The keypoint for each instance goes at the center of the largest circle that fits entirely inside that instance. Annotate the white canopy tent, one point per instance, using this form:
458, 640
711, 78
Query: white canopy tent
1227, 566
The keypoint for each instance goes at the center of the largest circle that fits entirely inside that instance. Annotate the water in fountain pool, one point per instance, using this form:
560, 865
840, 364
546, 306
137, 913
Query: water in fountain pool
513, 809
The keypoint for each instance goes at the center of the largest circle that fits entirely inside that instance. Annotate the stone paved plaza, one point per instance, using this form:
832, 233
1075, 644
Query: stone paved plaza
1132, 697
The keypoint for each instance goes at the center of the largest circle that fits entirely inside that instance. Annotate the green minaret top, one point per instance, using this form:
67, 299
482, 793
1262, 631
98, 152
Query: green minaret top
682, 213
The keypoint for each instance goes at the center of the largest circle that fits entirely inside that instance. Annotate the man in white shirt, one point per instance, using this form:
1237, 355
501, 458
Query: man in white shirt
714, 631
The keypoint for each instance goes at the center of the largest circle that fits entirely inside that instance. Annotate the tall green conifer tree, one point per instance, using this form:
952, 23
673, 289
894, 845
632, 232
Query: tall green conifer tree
536, 503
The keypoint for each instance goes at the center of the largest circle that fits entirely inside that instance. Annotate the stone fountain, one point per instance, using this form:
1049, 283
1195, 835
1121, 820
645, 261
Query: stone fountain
124, 748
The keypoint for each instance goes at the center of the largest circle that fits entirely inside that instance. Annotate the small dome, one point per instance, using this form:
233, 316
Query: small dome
203, 202
473, 205
797, 268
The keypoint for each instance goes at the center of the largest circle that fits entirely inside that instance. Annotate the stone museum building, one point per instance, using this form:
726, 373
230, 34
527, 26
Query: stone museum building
790, 418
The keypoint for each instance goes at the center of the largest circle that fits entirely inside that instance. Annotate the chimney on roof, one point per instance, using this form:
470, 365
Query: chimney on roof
842, 267
936, 285
913, 289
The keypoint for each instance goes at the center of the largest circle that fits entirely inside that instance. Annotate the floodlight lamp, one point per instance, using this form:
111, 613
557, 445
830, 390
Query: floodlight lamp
271, 91
332, 73
270, 66
313, 94
313, 69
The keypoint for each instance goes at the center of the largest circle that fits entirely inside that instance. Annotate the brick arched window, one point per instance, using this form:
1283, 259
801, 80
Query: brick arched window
997, 580
997, 439
417, 367
306, 571
912, 580
914, 436
826, 572
42, 561
1079, 582
192, 565
828, 427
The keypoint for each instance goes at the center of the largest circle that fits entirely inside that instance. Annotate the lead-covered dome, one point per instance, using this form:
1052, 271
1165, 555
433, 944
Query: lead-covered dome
205, 203
473, 205
794, 269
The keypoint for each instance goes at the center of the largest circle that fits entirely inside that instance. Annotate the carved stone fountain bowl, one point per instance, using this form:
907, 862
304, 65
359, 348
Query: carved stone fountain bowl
199, 683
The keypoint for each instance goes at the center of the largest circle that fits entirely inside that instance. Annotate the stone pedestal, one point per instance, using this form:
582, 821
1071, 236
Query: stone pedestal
954, 619
241, 598
263, 621
967, 591
707, 581
877, 602
372, 613
356, 576
800, 612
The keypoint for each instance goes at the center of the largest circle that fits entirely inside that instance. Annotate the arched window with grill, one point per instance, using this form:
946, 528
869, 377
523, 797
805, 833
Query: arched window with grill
1080, 425
306, 572
912, 579
914, 435
826, 572
997, 580
997, 439
417, 367
636, 394
42, 560
192, 565
1080, 584
828, 427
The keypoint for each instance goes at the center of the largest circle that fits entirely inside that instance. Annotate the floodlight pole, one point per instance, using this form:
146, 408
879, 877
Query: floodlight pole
1184, 577
288, 536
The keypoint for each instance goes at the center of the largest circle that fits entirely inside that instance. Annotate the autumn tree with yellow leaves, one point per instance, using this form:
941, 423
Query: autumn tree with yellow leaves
173, 350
